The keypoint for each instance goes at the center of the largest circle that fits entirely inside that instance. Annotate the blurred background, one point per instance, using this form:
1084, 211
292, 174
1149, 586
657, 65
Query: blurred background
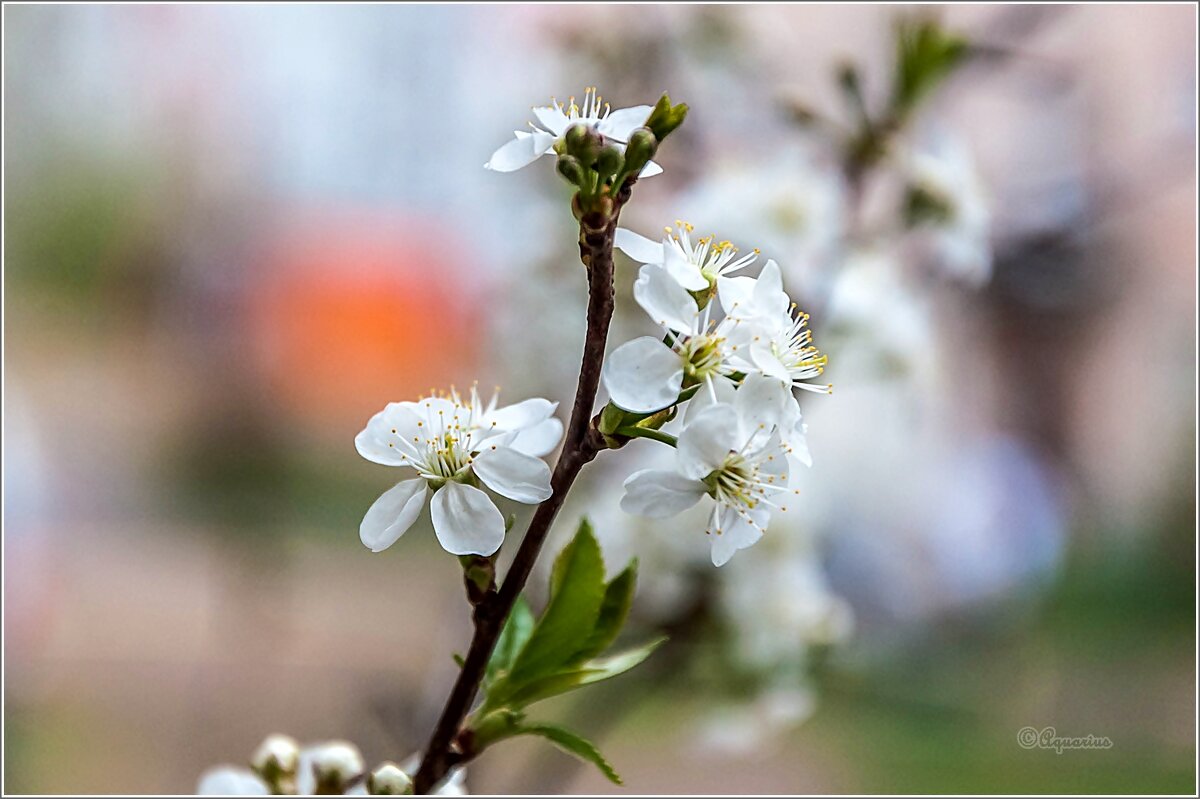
232, 233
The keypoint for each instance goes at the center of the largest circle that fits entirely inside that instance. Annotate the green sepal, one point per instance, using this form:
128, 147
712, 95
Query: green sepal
665, 118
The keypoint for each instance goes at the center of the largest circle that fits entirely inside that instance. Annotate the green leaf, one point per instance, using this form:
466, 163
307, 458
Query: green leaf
517, 628
591, 672
618, 597
664, 117
459, 660
573, 744
576, 593
925, 55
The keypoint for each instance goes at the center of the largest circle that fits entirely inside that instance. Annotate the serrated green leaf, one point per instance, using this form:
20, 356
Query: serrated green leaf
577, 591
573, 744
517, 629
590, 672
618, 597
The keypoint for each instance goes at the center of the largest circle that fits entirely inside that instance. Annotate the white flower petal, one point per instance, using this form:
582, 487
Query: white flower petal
540, 438
638, 247
760, 404
378, 441
770, 299
521, 415
650, 170
230, 781
465, 520
667, 302
794, 432
622, 122
521, 151
683, 271
660, 493
707, 441
643, 375
736, 533
392, 514
715, 391
552, 118
736, 295
768, 362
513, 474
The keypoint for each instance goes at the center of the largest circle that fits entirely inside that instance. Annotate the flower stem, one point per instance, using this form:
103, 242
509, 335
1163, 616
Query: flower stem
580, 445
646, 432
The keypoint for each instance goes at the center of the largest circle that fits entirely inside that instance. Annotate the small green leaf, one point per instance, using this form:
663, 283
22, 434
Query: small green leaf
517, 629
576, 593
459, 660
573, 744
591, 672
925, 55
618, 597
664, 117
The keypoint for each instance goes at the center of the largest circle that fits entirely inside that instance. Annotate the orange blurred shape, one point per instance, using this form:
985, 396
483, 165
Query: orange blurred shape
349, 313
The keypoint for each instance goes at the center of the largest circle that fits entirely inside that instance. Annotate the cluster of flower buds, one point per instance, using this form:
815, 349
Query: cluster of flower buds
280, 766
598, 149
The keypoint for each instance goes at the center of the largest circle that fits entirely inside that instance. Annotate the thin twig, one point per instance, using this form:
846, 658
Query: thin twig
580, 446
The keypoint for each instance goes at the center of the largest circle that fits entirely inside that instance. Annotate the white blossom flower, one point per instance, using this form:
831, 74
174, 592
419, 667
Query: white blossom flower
732, 453
453, 444
556, 118
697, 266
779, 605
648, 373
958, 245
781, 345
793, 432
792, 204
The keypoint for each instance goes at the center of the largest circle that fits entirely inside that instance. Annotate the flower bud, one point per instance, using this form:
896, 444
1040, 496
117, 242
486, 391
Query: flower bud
276, 760
569, 167
278, 752
609, 161
389, 780
665, 117
641, 148
332, 766
584, 142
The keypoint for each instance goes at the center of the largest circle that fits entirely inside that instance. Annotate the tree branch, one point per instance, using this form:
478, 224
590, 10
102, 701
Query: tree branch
581, 444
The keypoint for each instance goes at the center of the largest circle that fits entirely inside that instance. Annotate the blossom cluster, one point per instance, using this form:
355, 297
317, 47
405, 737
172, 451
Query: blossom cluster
281, 766
733, 347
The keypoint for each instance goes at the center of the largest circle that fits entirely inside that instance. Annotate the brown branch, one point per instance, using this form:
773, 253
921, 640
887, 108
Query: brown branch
581, 444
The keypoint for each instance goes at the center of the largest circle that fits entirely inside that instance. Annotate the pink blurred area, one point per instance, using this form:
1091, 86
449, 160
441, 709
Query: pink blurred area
346, 307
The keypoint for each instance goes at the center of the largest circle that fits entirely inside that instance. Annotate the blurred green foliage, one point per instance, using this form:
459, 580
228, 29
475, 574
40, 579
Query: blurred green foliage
79, 229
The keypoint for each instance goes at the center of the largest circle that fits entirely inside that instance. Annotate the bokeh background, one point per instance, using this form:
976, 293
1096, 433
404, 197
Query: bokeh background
232, 233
